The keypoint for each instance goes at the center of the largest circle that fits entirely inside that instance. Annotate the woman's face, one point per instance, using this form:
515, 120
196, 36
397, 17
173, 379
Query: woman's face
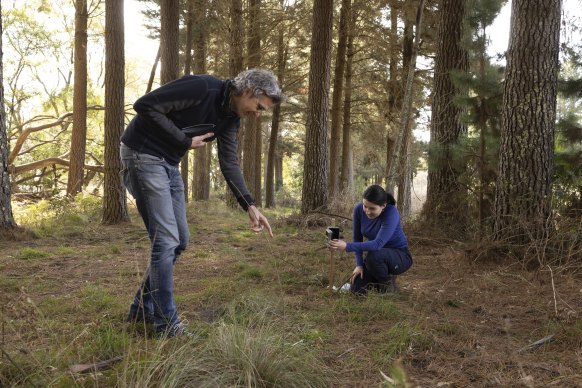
371, 209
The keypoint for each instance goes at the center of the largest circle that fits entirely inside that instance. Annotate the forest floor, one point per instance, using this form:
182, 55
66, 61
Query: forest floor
456, 322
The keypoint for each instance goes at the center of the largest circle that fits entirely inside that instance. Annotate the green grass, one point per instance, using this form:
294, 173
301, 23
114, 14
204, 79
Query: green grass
396, 340
32, 254
371, 308
248, 271
9, 285
95, 299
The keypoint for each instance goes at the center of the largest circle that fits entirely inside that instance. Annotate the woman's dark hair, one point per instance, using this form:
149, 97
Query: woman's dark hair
376, 194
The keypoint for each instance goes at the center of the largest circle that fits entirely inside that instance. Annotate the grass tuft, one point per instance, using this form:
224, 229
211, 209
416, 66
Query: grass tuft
31, 254
396, 340
247, 348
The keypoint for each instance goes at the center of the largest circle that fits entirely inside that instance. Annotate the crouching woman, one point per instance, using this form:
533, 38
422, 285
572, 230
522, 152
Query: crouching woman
386, 249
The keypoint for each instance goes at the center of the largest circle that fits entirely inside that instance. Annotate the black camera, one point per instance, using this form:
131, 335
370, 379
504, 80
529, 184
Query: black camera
332, 233
199, 130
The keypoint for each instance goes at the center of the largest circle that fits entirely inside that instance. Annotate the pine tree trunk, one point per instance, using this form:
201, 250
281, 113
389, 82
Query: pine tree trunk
169, 40
201, 171
406, 104
446, 202
185, 162
338, 84
405, 178
524, 185
278, 171
482, 151
393, 90
314, 193
274, 138
114, 196
79, 136
270, 175
7, 222
253, 137
346, 174
235, 61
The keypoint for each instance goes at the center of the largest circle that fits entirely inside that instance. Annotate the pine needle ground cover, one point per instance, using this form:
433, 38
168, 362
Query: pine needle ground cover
263, 315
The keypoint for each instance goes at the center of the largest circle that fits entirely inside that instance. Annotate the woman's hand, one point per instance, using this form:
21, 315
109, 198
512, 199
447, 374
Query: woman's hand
336, 245
358, 271
258, 221
198, 141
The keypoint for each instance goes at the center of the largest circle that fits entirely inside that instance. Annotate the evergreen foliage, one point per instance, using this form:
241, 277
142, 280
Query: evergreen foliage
34, 100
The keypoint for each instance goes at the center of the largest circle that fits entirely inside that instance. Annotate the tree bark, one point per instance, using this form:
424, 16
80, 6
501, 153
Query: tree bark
524, 185
394, 90
405, 178
270, 166
7, 222
185, 162
114, 196
314, 192
169, 40
235, 62
274, 138
201, 187
446, 202
346, 174
253, 136
79, 136
406, 103
235, 59
338, 84
278, 171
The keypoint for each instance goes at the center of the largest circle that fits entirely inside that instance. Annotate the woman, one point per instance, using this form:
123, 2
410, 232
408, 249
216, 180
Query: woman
377, 219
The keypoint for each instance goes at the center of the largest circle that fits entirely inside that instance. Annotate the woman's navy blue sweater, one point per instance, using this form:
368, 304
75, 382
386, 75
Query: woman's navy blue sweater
383, 231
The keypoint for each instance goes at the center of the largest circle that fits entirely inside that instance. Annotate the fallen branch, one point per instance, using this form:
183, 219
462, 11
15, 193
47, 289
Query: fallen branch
537, 343
85, 368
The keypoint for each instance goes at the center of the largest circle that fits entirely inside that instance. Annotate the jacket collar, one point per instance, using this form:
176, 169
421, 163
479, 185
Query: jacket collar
225, 102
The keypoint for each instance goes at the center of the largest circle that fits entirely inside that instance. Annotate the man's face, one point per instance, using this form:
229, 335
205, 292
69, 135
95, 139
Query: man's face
249, 105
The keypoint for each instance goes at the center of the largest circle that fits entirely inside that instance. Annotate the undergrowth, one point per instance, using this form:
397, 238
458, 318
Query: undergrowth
260, 308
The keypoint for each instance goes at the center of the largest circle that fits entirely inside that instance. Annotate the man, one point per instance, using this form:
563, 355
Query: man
182, 115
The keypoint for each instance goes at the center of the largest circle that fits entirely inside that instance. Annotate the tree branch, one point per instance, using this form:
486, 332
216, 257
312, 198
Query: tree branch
27, 131
48, 162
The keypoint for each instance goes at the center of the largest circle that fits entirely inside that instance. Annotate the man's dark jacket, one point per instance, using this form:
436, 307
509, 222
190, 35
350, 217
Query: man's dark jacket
193, 100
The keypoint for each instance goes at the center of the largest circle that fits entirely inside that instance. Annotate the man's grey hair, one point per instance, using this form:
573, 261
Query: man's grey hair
259, 82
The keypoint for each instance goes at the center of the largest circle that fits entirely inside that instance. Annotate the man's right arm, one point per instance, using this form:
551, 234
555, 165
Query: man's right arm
229, 165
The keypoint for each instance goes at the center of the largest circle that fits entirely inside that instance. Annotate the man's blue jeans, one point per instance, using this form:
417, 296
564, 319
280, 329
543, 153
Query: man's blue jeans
158, 190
